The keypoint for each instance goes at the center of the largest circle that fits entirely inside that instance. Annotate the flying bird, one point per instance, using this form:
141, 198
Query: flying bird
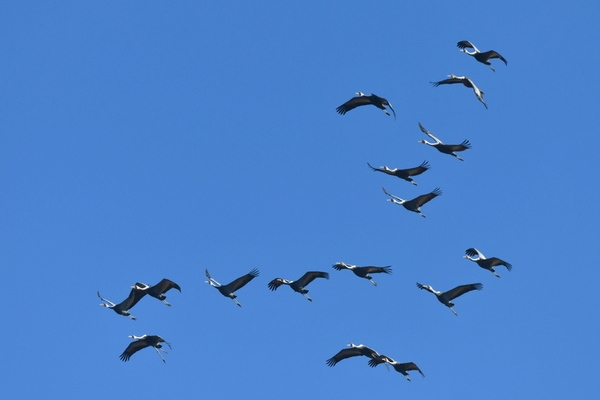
158, 291
415, 204
353, 351
482, 57
403, 368
446, 297
229, 289
465, 81
363, 100
486, 263
403, 173
363, 272
141, 342
298, 285
444, 148
123, 307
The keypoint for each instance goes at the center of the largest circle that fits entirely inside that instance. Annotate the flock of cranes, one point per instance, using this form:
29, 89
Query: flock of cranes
139, 290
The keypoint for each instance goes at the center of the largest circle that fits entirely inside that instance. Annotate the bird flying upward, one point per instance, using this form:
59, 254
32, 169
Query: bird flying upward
482, 57
229, 289
158, 291
405, 174
402, 368
363, 272
123, 307
415, 204
465, 81
446, 297
353, 350
444, 148
363, 100
141, 342
486, 263
298, 285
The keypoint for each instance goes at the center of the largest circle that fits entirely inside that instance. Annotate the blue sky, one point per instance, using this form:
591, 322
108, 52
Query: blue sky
143, 140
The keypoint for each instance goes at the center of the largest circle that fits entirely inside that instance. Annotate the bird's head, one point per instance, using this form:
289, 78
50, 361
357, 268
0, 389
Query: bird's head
360, 94
422, 141
104, 305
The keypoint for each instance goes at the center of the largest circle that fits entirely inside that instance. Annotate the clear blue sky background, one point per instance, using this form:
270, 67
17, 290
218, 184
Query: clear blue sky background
143, 140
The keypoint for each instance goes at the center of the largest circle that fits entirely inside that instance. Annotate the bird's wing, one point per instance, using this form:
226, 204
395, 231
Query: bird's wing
466, 44
447, 81
241, 281
375, 270
472, 251
207, 274
134, 296
153, 340
496, 261
494, 54
311, 276
343, 354
275, 283
352, 104
375, 361
424, 198
132, 349
462, 289
459, 147
410, 366
391, 108
416, 170
340, 266
165, 285
428, 133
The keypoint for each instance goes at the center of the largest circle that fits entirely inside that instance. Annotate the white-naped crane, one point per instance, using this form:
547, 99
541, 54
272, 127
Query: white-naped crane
415, 204
363, 100
158, 291
442, 147
353, 350
465, 81
403, 368
486, 263
405, 174
446, 297
123, 307
141, 342
229, 289
298, 285
481, 56
363, 272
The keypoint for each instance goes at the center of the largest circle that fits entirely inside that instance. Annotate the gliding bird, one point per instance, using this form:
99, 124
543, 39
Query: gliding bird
123, 307
403, 368
141, 342
486, 263
158, 291
363, 100
403, 173
363, 272
482, 57
298, 285
352, 351
415, 204
229, 289
446, 297
444, 148
465, 81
